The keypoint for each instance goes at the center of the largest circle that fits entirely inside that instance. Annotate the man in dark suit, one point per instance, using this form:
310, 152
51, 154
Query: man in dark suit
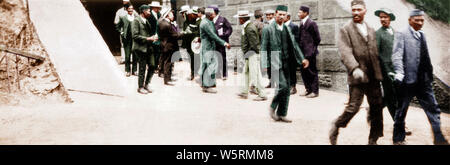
142, 47
413, 76
223, 30
309, 40
153, 19
169, 37
293, 64
124, 28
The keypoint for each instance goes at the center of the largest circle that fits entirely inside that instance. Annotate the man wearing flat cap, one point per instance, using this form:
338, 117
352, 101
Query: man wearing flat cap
208, 55
358, 48
414, 77
143, 48
309, 40
250, 45
269, 16
278, 38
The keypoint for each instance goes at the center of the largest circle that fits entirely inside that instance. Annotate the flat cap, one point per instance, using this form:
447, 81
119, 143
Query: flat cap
304, 8
416, 12
282, 8
358, 2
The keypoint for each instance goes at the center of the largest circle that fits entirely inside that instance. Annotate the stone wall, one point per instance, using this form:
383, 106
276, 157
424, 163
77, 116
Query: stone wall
328, 14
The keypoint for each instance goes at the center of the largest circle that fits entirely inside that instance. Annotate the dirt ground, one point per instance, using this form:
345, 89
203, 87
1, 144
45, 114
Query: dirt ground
182, 114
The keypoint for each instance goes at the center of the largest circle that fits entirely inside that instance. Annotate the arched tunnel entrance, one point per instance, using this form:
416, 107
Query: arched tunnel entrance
102, 13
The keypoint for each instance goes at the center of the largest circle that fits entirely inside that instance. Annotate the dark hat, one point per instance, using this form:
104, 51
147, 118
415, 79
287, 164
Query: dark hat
282, 8
215, 7
304, 8
358, 2
416, 12
143, 7
387, 11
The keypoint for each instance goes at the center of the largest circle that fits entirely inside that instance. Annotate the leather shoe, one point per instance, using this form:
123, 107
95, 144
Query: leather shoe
260, 98
128, 74
273, 115
373, 141
253, 90
169, 83
269, 86
243, 95
305, 93
284, 119
293, 90
147, 89
333, 134
400, 143
312, 95
407, 132
142, 91
441, 142
209, 90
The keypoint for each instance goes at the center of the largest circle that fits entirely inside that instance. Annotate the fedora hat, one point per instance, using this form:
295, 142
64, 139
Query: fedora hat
243, 13
155, 4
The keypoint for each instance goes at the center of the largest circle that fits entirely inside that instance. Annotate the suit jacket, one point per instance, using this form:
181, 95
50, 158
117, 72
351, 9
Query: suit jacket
271, 41
154, 25
250, 40
208, 38
140, 30
309, 38
295, 31
385, 43
222, 23
124, 28
359, 52
168, 36
407, 58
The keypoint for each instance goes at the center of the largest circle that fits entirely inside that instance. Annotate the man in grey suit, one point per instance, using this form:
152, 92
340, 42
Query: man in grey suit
413, 77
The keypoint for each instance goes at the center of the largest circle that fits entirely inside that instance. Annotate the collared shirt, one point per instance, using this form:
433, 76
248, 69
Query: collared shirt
362, 27
305, 19
143, 19
416, 33
215, 18
244, 26
203, 16
390, 30
287, 23
280, 27
270, 21
155, 15
130, 17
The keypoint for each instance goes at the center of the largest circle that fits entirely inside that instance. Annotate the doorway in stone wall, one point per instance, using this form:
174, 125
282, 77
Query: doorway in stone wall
102, 13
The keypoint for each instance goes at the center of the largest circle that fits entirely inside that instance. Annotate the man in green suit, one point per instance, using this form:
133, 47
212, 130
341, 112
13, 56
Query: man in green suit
385, 43
142, 47
250, 47
208, 54
278, 38
124, 28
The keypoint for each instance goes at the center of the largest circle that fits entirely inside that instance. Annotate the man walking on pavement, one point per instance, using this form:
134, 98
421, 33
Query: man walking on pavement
385, 43
250, 47
208, 54
358, 48
124, 28
278, 38
142, 47
309, 40
414, 77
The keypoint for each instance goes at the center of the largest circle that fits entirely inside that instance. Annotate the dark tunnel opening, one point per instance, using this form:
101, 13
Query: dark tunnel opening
102, 13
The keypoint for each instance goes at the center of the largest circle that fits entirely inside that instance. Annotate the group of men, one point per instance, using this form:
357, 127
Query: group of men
397, 61
389, 67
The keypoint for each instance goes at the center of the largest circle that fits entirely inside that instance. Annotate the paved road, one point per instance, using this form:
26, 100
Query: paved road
182, 114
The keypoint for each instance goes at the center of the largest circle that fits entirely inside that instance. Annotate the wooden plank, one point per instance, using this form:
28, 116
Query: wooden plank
21, 53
